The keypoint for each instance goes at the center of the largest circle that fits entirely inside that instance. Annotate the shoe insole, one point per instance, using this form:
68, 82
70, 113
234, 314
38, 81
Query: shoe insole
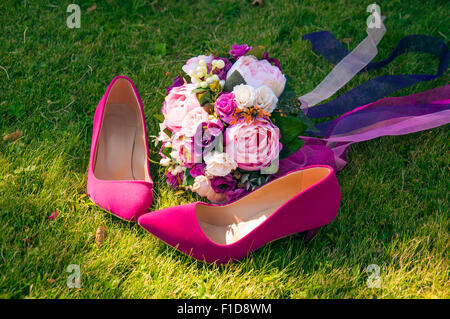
229, 234
116, 143
229, 223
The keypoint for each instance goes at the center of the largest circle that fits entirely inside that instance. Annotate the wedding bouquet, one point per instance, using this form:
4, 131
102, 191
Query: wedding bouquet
222, 127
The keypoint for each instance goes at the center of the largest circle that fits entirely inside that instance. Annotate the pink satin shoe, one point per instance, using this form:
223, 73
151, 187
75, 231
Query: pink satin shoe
119, 177
299, 201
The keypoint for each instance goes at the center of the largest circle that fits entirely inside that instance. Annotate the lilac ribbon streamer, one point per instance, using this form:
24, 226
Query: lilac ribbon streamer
389, 116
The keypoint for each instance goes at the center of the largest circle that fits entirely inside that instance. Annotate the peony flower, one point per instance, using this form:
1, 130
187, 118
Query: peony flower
253, 146
223, 184
239, 50
183, 149
192, 120
235, 194
177, 104
225, 106
178, 81
259, 72
193, 63
202, 187
219, 164
244, 96
265, 99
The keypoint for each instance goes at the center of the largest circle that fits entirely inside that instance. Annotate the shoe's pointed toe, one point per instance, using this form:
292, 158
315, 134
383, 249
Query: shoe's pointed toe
178, 227
169, 224
126, 200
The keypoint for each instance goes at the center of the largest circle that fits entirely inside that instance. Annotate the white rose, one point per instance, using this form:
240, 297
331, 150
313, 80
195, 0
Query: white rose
219, 164
265, 99
202, 187
244, 95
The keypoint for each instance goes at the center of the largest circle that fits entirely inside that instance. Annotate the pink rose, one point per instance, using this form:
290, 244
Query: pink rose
178, 103
225, 106
259, 72
192, 120
253, 146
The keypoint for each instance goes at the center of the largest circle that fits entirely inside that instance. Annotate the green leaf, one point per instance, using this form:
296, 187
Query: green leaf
288, 103
166, 151
291, 147
309, 124
204, 98
188, 179
291, 128
234, 79
159, 117
257, 51
244, 178
198, 90
168, 132
288, 95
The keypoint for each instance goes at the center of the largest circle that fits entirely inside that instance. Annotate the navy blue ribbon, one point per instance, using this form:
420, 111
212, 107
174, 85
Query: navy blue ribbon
330, 48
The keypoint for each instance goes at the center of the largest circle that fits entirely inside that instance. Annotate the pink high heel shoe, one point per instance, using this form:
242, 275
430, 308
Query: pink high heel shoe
119, 177
299, 201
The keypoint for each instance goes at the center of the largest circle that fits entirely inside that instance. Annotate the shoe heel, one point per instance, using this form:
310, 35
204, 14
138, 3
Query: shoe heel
309, 235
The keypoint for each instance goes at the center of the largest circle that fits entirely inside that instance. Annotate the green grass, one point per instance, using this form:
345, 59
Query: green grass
395, 190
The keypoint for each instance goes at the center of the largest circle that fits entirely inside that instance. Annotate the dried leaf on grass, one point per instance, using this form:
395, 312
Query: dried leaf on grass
347, 40
13, 136
100, 235
92, 8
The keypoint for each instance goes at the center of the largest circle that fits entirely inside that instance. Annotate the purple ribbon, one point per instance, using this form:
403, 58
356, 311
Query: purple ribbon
389, 116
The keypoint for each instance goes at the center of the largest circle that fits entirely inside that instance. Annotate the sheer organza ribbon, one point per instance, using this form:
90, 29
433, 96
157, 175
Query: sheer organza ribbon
350, 64
389, 116
328, 46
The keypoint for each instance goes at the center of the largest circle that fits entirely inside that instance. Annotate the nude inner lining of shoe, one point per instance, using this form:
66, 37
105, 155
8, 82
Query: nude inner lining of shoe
227, 224
121, 147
